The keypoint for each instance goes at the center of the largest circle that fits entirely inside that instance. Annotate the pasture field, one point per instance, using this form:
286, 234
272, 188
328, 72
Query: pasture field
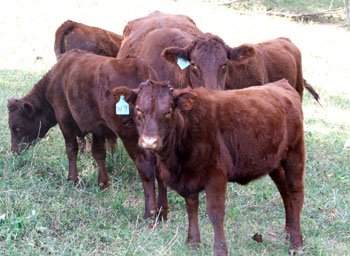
43, 214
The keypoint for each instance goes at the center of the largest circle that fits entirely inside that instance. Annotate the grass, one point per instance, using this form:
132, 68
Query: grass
295, 5
43, 214
337, 14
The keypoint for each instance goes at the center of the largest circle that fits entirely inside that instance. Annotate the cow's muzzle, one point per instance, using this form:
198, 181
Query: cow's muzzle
150, 142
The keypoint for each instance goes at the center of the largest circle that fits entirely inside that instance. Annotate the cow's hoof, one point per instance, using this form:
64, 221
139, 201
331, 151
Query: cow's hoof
193, 244
103, 185
295, 252
164, 215
220, 249
75, 180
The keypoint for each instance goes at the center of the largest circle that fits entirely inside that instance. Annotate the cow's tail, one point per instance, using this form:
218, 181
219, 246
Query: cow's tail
312, 91
61, 32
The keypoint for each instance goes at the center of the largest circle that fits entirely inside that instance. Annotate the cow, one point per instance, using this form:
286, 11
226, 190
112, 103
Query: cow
73, 35
205, 138
76, 94
148, 36
184, 55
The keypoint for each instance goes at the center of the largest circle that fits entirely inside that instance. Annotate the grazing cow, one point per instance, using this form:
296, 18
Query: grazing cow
167, 42
204, 139
76, 94
73, 35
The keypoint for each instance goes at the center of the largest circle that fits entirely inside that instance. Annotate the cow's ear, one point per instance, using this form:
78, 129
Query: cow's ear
129, 94
173, 54
28, 109
241, 53
184, 100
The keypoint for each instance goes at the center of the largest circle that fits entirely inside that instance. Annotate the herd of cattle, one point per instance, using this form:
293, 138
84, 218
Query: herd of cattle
186, 123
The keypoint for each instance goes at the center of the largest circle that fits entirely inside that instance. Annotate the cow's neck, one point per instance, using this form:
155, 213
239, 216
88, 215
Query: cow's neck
37, 97
169, 159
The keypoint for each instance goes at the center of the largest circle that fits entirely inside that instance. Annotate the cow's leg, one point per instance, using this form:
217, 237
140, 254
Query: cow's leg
215, 192
279, 178
145, 164
98, 150
294, 172
146, 168
162, 202
193, 236
71, 151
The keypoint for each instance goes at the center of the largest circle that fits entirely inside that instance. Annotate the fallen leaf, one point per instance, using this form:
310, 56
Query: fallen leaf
272, 234
331, 175
347, 145
257, 237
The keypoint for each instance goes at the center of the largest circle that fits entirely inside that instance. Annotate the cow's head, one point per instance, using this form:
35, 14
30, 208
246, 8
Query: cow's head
208, 57
156, 110
25, 124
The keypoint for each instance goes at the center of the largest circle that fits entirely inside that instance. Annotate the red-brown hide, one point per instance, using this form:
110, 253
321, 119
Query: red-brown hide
266, 62
73, 35
76, 94
204, 139
161, 39
148, 36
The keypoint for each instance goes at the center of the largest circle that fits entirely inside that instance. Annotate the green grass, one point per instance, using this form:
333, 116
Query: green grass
46, 215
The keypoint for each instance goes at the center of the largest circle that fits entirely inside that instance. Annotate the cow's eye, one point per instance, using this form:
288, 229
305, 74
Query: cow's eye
194, 67
138, 112
16, 129
167, 115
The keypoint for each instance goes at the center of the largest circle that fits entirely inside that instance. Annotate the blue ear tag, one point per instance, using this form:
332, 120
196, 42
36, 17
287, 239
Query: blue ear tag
182, 63
122, 107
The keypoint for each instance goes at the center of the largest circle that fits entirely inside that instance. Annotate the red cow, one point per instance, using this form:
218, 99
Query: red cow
73, 35
76, 94
204, 139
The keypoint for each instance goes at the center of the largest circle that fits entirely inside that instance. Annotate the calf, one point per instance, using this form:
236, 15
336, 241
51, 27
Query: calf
76, 94
73, 35
266, 62
204, 139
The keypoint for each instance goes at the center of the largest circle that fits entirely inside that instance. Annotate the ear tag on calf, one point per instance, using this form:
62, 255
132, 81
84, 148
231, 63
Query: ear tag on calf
122, 107
182, 63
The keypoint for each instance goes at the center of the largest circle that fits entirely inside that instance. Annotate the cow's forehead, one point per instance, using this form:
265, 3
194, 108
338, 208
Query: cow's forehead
212, 49
155, 98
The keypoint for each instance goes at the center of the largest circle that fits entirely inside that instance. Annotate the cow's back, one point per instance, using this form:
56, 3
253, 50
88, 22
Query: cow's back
257, 125
283, 60
73, 35
82, 87
136, 30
